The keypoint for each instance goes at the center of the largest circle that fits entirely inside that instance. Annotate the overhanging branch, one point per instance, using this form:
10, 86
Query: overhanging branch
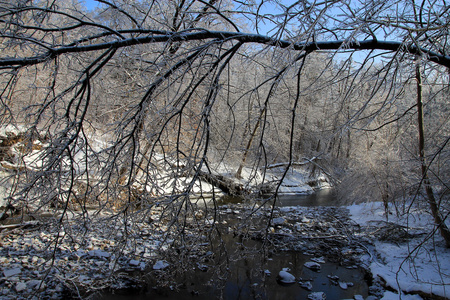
440, 59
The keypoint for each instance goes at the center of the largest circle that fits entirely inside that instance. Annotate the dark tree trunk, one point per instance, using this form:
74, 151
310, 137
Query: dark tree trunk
424, 168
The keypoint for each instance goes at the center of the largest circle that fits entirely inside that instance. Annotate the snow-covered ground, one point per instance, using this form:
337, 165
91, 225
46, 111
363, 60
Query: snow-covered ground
419, 264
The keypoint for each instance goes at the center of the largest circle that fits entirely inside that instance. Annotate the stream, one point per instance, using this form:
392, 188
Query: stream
251, 278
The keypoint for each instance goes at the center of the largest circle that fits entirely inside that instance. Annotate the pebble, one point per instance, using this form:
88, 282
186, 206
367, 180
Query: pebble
20, 286
278, 221
160, 265
306, 220
99, 253
12, 272
134, 262
36, 284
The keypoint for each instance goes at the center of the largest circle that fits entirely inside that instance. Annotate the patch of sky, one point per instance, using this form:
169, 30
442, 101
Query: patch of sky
90, 4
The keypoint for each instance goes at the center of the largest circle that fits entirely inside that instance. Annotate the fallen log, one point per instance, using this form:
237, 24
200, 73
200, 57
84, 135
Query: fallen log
30, 224
226, 185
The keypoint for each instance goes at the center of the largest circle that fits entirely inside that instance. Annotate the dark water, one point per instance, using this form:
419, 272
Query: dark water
247, 280
246, 277
325, 197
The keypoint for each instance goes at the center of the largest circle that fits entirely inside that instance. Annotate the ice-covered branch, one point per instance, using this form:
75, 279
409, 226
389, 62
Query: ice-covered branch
373, 44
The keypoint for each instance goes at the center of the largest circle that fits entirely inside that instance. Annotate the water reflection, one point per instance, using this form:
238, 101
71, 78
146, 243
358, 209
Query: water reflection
324, 197
242, 285
247, 278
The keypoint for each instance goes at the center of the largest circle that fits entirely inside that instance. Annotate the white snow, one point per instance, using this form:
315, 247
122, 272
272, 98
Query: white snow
285, 277
394, 296
317, 296
411, 266
293, 183
312, 265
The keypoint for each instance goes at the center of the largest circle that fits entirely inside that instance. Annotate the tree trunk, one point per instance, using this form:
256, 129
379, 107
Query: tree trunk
249, 144
424, 168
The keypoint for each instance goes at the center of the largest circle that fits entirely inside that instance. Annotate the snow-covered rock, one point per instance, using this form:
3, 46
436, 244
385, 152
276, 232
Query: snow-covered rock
319, 260
285, 277
343, 285
312, 265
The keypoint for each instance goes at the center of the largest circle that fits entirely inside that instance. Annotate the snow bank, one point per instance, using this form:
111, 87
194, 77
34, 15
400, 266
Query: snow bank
393, 296
411, 266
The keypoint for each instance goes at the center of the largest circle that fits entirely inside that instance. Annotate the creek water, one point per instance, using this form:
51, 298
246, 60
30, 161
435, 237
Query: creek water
324, 197
251, 278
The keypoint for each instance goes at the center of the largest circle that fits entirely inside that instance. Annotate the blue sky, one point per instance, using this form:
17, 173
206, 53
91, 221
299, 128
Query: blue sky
264, 27
90, 4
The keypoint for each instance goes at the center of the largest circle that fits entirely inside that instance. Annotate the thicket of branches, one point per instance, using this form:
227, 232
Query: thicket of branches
134, 94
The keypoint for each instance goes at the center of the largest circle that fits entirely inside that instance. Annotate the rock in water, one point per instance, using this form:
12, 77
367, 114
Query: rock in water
312, 265
343, 285
285, 277
317, 296
306, 285
319, 260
